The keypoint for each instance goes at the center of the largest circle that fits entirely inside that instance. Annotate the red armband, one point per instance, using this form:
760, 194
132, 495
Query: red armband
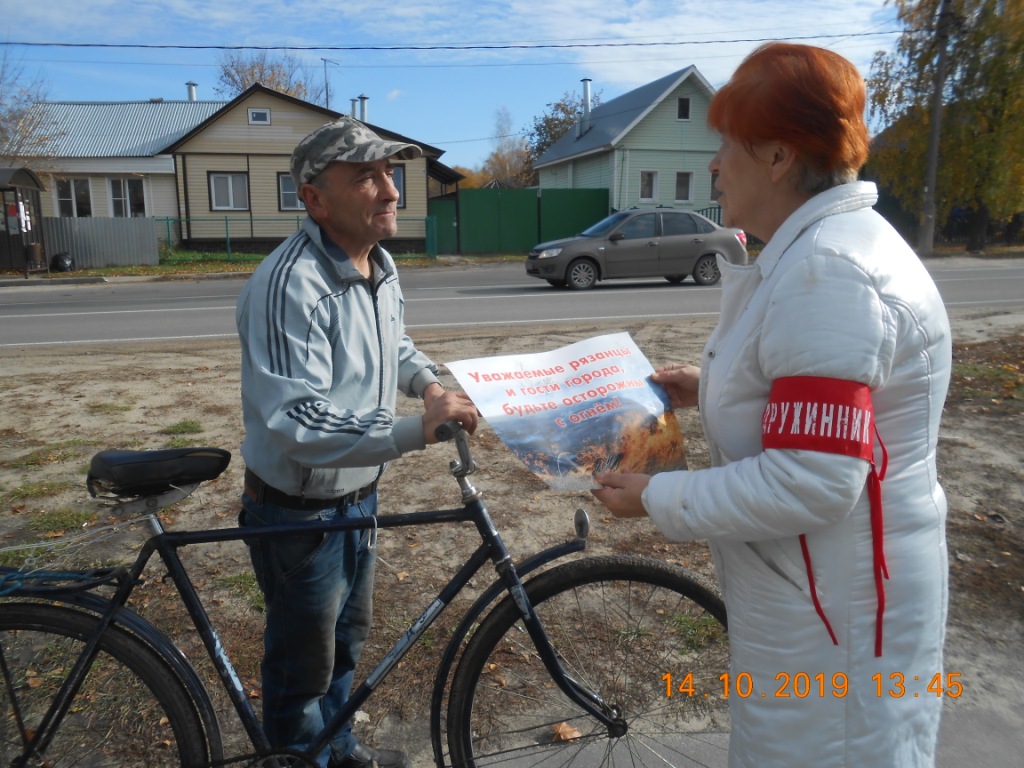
813, 413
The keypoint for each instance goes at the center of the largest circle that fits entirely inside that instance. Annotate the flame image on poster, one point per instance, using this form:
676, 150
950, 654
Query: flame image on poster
584, 408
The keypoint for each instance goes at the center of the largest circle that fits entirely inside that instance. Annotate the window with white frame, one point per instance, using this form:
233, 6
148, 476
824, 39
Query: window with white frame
648, 186
74, 198
259, 116
229, 191
684, 186
287, 196
683, 108
128, 198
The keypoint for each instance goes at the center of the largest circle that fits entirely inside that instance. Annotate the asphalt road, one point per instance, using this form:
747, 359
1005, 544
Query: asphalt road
130, 310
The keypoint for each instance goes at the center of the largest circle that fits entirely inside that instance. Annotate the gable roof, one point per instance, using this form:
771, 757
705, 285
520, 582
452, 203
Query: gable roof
83, 129
120, 128
330, 114
612, 120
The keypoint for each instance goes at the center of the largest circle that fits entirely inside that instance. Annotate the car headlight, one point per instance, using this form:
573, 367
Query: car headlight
549, 253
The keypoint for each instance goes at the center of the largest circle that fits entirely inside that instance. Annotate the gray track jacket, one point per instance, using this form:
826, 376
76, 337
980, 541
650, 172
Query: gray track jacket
324, 352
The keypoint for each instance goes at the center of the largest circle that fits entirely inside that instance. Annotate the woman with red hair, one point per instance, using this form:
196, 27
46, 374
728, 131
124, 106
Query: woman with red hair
820, 393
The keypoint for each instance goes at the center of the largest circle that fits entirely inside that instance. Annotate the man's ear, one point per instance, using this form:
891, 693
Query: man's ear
311, 198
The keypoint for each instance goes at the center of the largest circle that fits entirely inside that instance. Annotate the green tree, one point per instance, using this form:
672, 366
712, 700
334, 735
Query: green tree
239, 70
25, 135
981, 152
561, 116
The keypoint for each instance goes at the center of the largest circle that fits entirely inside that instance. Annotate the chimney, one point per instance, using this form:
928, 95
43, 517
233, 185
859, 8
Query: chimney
362, 107
354, 111
192, 90
586, 104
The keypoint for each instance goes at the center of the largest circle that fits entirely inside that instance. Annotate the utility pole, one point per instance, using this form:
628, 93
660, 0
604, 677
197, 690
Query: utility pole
926, 235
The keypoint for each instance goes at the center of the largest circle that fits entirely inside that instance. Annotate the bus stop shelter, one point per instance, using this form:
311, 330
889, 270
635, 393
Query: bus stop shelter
21, 230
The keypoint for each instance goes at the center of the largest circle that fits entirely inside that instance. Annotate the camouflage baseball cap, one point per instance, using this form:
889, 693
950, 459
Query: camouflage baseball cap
346, 140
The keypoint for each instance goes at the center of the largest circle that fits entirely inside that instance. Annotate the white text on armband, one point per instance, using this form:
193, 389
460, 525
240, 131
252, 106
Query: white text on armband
819, 414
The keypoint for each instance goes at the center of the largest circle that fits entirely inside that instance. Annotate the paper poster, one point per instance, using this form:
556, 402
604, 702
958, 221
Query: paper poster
580, 409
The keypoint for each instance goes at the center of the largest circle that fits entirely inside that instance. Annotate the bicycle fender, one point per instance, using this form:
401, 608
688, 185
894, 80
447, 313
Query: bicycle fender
482, 603
127, 620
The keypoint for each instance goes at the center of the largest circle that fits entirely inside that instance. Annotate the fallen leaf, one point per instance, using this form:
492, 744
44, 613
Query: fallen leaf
565, 732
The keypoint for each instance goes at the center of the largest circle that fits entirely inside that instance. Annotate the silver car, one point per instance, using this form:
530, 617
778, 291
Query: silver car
660, 242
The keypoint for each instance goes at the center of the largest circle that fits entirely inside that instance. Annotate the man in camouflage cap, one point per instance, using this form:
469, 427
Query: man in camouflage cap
324, 354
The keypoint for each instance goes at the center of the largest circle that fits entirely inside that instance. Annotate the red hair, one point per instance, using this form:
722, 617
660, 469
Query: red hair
807, 97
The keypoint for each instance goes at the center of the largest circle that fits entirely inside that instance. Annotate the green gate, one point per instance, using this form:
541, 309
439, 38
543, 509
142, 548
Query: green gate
510, 221
443, 210
497, 220
567, 212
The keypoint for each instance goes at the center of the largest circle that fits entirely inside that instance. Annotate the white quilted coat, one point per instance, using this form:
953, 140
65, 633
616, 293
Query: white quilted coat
836, 293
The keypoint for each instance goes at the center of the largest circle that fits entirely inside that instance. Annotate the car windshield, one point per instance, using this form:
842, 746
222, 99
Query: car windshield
606, 225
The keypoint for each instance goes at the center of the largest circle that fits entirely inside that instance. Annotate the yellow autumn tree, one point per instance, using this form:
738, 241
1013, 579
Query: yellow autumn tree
981, 151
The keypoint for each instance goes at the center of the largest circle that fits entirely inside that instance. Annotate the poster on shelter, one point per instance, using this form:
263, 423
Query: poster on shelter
584, 408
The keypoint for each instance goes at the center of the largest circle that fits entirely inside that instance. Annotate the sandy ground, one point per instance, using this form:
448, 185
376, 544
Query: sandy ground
60, 406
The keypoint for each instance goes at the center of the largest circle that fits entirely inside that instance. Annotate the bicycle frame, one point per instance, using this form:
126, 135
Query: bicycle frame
167, 543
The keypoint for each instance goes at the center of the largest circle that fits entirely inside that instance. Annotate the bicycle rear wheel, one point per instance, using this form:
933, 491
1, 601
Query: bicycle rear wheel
619, 625
132, 709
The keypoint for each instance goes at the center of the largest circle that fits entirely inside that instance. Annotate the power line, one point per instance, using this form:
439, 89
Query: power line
457, 47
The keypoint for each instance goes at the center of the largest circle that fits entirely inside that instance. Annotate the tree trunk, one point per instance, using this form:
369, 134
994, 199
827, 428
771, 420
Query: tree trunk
977, 227
1013, 229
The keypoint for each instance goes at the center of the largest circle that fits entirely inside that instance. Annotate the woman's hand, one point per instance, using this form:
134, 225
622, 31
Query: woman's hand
681, 382
621, 492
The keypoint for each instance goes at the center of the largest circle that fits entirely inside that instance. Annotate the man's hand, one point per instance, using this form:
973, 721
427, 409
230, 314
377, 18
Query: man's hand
680, 382
442, 406
621, 492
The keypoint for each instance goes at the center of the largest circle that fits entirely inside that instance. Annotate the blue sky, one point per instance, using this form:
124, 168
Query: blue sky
446, 97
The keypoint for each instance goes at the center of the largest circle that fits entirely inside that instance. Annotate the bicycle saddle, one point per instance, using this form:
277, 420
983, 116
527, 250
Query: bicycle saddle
147, 473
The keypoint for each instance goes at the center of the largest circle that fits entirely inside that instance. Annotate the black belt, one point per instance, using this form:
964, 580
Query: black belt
261, 492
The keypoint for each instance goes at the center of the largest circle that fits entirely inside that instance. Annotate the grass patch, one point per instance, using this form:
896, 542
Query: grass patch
39, 490
183, 427
59, 520
56, 453
244, 587
696, 631
18, 557
108, 408
990, 373
182, 442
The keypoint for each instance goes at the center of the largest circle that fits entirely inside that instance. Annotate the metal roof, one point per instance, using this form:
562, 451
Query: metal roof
612, 120
121, 128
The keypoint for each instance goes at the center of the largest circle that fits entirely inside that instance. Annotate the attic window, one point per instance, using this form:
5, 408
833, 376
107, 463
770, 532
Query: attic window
259, 116
683, 108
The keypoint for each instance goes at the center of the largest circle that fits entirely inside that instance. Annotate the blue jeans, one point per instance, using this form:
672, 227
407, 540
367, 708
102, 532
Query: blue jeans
318, 590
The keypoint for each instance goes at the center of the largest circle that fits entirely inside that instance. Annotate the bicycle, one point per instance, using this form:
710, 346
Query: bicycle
570, 664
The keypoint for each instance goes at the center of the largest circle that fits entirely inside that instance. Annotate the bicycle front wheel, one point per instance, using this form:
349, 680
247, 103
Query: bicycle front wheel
131, 710
646, 637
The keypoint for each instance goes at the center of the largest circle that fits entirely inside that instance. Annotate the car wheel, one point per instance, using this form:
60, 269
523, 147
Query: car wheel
675, 279
581, 275
705, 271
557, 283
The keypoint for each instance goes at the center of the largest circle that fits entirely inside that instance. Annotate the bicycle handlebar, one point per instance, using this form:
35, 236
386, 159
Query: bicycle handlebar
447, 430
